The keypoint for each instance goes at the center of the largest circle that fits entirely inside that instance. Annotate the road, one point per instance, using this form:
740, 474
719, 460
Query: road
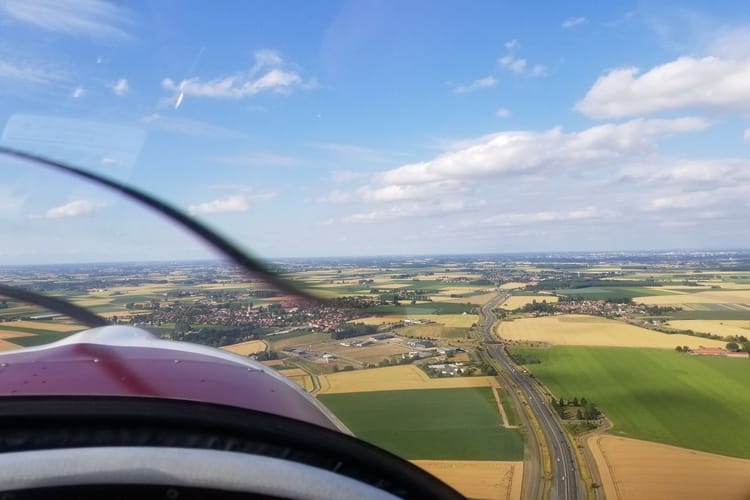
565, 481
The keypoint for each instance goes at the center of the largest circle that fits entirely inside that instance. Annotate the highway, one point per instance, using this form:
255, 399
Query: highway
565, 481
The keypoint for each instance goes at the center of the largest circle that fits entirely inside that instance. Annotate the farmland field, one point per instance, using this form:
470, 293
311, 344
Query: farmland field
453, 320
635, 469
394, 378
440, 424
478, 478
664, 396
517, 301
723, 328
584, 330
246, 348
707, 297
612, 292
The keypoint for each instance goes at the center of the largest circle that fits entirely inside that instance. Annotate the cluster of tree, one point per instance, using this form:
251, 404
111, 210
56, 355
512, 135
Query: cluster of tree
214, 337
521, 358
567, 283
682, 348
542, 307
266, 355
585, 410
660, 310
487, 369
741, 346
396, 361
353, 330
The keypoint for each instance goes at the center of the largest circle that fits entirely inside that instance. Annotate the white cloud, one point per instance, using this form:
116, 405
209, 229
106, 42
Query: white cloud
746, 135
413, 209
573, 21
78, 92
528, 152
236, 203
120, 88
682, 172
514, 64
526, 218
482, 83
268, 74
728, 195
519, 65
503, 113
708, 83
26, 73
75, 208
92, 18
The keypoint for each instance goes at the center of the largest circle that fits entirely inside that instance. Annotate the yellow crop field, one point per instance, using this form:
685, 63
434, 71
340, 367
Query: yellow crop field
7, 346
453, 320
641, 470
513, 285
477, 300
394, 378
12, 334
478, 479
246, 348
303, 381
293, 372
717, 327
517, 301
45, 325
707, 297
578, 329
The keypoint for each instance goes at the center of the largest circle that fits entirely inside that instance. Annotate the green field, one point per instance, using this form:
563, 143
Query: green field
711, 314
611, 292
691, 401
439, 424
43, 337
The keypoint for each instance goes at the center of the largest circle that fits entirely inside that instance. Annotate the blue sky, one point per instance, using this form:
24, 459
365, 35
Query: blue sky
377, 127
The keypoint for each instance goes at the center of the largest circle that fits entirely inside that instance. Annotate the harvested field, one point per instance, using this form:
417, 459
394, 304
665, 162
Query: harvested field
394, 378
513, 285
518, 301
246, 348
299, 340
52, 326
273, 362
13, 334
304, 381
453, 320
478, 478
709, 297
723, 328
477, 300
433, 331
7, 346
634, 469
293, 372
575, 329
367, 354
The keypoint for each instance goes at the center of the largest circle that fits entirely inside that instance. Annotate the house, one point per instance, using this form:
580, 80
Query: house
708, 351
421, 343
739, 354
447, 351
381, 336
